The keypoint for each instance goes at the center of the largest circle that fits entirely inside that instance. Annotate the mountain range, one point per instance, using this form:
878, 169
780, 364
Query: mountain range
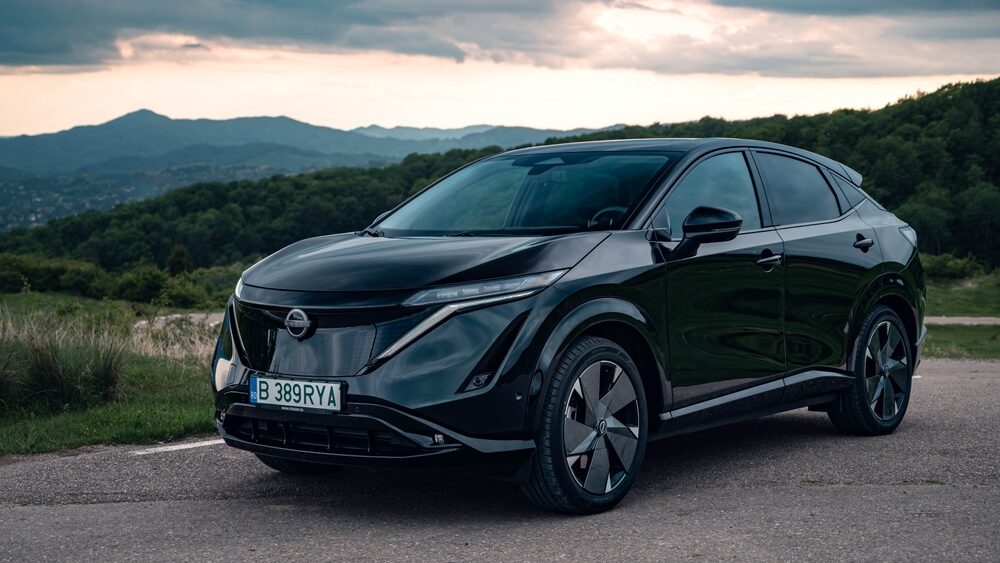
142, 154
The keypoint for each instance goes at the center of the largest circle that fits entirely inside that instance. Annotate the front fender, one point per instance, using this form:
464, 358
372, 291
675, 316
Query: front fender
577, 321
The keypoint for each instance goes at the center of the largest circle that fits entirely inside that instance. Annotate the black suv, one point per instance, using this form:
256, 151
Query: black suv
547, 311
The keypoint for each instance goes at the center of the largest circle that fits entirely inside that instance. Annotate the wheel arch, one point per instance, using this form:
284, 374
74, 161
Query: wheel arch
892, 291
622, 322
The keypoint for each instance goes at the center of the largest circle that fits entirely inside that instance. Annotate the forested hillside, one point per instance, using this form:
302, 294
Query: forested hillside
932, 158
222, 223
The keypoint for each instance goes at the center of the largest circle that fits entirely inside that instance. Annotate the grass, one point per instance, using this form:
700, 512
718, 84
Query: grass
978, 296
156, 388
70, 306
954, 341
47, 366
162, 400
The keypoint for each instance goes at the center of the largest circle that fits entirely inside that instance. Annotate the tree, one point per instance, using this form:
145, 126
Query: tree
978, 221
179, 261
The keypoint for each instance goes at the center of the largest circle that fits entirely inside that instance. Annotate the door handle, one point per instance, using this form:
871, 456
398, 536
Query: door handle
864, 243
769, 262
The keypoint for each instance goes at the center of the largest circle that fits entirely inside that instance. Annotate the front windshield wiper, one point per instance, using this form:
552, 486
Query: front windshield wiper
462, 234
372, 232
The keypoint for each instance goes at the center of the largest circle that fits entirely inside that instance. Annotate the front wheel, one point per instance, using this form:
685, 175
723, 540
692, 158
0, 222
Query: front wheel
593, 430
883, 370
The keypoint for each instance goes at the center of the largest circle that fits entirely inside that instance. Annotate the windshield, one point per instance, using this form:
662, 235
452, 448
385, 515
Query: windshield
532, 194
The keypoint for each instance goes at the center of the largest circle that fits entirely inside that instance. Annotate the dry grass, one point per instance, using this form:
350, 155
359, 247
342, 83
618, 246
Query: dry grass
177, 338
69, 363
46, 366
75, 372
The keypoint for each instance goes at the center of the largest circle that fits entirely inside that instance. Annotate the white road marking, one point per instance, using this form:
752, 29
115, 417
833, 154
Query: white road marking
917, 376
176, 447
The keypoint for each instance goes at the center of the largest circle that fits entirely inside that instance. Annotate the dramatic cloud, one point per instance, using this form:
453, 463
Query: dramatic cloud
856, 7
45, 32
845, 38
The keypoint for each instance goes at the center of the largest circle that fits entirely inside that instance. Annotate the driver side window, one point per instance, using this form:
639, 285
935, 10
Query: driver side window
721, 181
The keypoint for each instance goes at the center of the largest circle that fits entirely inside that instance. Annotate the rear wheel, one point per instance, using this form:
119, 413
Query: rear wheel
295, 467
593, 430
883, 366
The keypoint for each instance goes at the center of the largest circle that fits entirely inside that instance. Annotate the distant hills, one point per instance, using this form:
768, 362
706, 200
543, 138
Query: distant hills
142, 154
420, 133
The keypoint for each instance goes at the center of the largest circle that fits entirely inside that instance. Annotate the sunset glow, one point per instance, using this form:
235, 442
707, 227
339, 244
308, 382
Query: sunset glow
568, 64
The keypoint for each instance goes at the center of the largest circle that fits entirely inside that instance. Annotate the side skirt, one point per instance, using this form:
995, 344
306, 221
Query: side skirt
804, 389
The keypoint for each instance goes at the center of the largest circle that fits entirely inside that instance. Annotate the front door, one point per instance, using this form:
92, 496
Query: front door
725, 303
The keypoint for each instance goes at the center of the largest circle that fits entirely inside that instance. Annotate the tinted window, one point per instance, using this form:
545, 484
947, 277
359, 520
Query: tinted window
851, 192
796, 190
721, 181
533, 193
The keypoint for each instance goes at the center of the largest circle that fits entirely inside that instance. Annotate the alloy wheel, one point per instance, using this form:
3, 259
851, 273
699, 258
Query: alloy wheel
601, 427
887, 371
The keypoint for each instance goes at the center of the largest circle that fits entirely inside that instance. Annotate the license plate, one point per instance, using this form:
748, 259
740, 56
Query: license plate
295, 395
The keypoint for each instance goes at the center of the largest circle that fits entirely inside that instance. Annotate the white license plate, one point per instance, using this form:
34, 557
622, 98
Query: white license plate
295, 395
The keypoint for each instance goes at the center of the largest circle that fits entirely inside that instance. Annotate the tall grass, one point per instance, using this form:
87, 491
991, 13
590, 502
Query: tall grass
51, 365
75, 372
174, 337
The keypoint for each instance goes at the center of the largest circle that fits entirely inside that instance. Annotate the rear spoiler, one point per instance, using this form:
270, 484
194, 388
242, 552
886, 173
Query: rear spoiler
852, 174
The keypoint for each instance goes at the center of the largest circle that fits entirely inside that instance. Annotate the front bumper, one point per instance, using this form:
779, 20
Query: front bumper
364, 434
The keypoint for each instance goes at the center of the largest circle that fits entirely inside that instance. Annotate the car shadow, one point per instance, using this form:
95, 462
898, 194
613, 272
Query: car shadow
448, 495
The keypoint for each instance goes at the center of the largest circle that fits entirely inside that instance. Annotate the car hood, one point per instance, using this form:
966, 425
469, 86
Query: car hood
349, 262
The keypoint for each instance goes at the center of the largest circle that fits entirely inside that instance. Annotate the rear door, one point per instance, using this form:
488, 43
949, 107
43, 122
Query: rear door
724, 304
830, 255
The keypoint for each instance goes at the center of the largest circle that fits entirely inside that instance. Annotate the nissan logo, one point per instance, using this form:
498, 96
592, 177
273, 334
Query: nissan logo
297, 323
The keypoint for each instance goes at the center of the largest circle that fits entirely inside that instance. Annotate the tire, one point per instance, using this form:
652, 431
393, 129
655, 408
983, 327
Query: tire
606, 433
867, 408
295, 467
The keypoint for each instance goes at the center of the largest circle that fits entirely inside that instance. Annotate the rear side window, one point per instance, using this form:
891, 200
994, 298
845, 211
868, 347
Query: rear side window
851, 192
797, 191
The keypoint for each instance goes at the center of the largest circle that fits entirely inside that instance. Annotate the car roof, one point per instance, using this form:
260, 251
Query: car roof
686, 145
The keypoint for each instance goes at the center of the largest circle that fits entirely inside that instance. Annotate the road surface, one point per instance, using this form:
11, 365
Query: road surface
786, 487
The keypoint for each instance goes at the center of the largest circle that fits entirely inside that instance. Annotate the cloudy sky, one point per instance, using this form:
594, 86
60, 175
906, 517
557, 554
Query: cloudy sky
447, 63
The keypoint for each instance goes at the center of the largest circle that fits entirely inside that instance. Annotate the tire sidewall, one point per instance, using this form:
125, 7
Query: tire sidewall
878, 316
586, 500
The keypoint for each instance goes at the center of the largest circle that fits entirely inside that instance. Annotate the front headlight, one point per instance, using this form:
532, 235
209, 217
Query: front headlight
462, 297
910, 234
480, 290
239, 288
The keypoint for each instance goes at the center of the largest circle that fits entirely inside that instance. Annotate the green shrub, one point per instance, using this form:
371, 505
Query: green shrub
10, 281
949, 266
181, 291
143, 283
218, 282
52, 274
87, 280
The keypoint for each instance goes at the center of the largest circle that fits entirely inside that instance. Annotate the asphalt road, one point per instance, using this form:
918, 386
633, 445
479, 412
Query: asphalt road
786, 487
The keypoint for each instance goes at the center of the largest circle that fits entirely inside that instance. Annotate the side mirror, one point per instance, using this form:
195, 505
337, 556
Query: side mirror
706, 224
711, 224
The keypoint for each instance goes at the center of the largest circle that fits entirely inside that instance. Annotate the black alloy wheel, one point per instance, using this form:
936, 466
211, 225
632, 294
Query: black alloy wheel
883, 366
593, 434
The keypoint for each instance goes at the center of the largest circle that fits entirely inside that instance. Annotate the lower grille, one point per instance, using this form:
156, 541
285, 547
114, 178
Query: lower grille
374, 441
